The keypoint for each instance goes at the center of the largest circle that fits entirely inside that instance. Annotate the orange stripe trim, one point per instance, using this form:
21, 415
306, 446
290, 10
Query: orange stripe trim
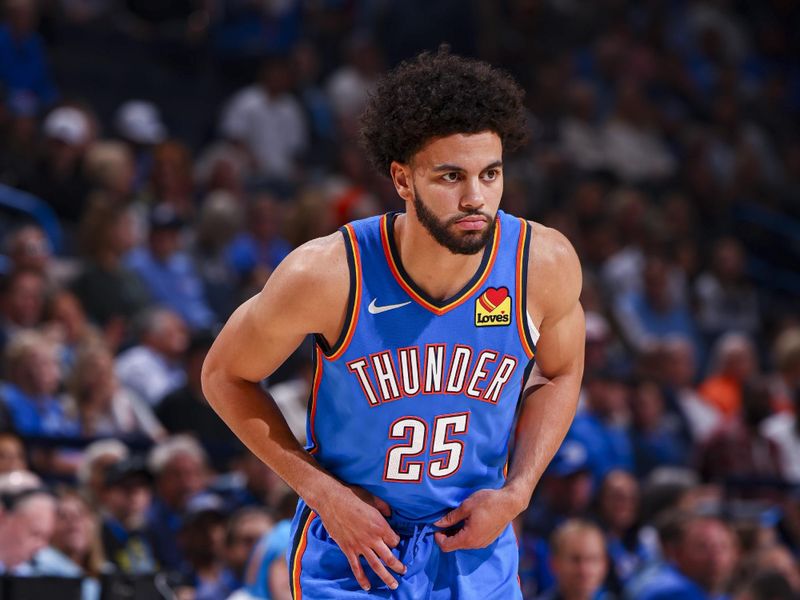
298, 557
521, 316
416, 297
314, 447
357, 300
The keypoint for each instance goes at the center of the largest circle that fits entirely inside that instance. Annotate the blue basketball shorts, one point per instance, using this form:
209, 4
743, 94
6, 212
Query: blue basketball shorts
319, 569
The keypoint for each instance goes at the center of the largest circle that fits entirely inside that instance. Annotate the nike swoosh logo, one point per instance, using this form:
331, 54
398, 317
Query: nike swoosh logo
374, 309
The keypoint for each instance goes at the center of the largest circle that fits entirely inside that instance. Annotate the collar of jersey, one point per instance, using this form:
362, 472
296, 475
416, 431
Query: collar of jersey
438, 307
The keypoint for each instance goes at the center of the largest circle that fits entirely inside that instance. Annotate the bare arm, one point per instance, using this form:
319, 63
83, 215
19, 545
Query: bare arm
551, 394
306, 294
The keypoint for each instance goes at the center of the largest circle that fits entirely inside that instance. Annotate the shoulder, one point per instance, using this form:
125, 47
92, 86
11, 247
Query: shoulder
317, 264
554, 271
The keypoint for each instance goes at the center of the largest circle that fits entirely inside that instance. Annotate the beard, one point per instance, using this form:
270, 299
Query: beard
458, 242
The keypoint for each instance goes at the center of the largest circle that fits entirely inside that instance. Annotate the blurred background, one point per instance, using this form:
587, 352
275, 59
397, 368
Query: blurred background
159, 158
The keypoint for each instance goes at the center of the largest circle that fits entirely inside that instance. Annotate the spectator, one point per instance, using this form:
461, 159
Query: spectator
97, 457
22, 294
652, 315
171, 179
579, 133
783, 430
110, 169
292, 395
267, 570
245, 528
123, 501
262, 246
739, 454
66, 324
679, 369
180, 468
579, 562
168, 271
564, 493
733, 362
266, 120
75, 548
348, 86
110, 293
23, 59
202, 541
766, 586
186, 410
633, 149
603, 424
152, 369
657, 436
786, 351
630, 548
139, 124
12, 453
101, 405
60, 178
33, 381
726, 299
27, 522
30, 249
219, 221
702, 557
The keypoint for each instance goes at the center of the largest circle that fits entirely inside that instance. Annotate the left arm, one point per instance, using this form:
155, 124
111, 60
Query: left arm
550, 397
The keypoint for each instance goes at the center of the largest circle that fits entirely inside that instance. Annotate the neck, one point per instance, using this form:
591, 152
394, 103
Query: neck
433, 267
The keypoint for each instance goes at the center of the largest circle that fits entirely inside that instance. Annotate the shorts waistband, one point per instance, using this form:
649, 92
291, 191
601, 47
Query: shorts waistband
406, 527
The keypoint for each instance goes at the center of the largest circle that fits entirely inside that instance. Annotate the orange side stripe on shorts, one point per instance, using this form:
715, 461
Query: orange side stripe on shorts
298, 557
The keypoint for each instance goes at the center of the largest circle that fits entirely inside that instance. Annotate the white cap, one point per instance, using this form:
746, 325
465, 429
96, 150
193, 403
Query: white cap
140, 121
68, 125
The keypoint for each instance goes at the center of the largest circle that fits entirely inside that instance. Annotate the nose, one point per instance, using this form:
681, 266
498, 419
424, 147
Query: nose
472, 197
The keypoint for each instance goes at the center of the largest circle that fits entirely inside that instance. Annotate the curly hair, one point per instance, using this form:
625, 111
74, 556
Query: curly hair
436, 95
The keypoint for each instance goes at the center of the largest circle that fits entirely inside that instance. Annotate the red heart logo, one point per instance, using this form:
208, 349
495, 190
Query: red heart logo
495, 296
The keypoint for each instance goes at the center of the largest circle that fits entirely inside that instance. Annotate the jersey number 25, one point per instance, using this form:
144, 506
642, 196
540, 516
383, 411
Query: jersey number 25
445, 453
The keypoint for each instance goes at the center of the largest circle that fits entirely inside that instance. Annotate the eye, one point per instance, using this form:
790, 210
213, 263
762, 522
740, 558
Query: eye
491, 174
451, 177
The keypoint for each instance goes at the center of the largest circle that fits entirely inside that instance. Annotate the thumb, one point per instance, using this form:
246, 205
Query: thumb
453, 517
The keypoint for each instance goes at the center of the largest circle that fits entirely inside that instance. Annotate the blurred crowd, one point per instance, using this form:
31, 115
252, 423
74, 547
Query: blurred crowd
159, 159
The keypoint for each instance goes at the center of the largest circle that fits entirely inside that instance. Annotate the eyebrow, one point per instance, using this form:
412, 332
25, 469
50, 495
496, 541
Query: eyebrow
448, 167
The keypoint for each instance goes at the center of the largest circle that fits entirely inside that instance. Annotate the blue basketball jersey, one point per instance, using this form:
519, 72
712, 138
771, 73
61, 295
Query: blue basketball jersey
416, 401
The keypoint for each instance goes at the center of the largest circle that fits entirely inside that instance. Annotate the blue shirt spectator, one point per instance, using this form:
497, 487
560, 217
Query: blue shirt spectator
169, 273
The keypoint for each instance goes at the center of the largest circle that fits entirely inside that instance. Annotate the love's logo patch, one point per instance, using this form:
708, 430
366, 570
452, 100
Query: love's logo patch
493, 308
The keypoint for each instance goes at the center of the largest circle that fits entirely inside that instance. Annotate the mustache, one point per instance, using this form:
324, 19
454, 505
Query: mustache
469, 213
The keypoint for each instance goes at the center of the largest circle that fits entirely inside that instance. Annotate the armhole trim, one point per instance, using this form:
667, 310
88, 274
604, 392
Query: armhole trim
353, 298
523, 319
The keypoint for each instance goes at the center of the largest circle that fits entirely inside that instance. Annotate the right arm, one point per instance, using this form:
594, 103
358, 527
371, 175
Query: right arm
306, 294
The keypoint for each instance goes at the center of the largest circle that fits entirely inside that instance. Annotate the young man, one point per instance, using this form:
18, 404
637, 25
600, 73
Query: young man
425, 323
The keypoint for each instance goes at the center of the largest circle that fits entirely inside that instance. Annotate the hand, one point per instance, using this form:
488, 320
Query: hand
356, 520
485, 514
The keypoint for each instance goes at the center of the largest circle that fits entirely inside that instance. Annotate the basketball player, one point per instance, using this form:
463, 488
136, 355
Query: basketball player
426, 324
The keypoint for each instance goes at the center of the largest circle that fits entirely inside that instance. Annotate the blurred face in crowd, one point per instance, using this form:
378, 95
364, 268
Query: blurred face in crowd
38, 372
96, 381
30, 249
21, 16
608, 398
75, 527
128, 500
707, 553
679, 363
24, 300
164, 242
183, 476
656, 284
12, 454
728, 261
67, 312
648, 407
26, 529
572, 493
619, 501
265, 218
242, 537
579, 563
203, 539
170, 336
738, 360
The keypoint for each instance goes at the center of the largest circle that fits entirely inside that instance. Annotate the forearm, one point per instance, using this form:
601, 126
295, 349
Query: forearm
544, 420
257, 421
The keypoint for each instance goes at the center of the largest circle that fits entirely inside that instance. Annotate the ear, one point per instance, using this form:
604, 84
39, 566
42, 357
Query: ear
402, 179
